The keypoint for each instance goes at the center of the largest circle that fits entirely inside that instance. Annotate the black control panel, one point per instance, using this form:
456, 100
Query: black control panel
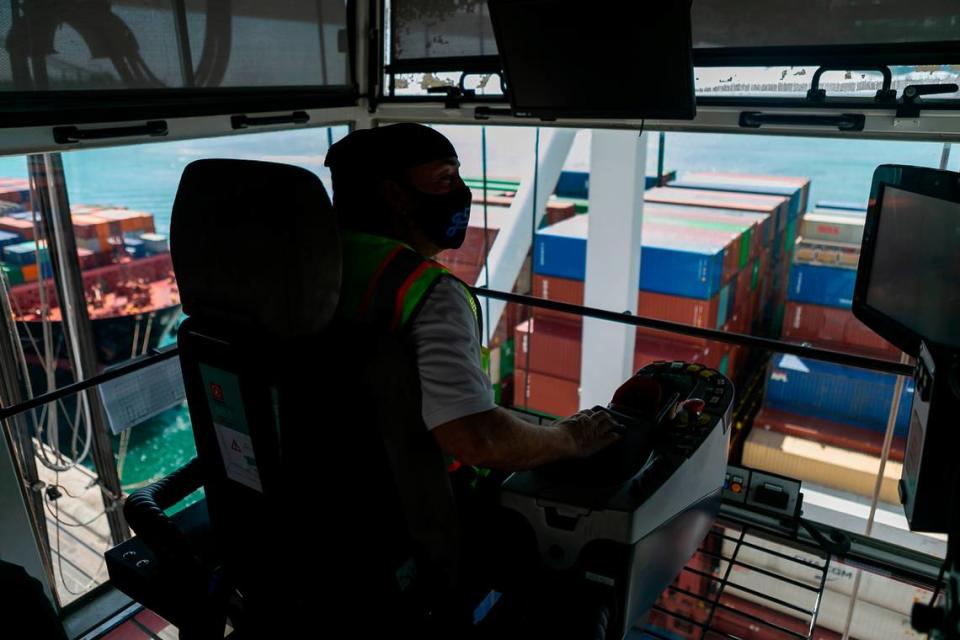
666, 409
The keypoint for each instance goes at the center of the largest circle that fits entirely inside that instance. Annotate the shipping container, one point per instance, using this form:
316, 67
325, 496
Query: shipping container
833, 227
777, 207
546, 394
796, 564
758, 225
763, 221
710, 314
558, 211
824, 285
155, 243
23, 228
836, 392
826, 253
13, 274
31, 272
23, 253
832, 327
554, 347
828, 432
15, 191
742, 243
809, 460
549, 346
576, 184
796, 189
672, 261
8, 238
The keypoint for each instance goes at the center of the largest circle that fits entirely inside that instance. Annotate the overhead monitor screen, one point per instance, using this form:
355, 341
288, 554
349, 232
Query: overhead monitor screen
915, 275
607, 59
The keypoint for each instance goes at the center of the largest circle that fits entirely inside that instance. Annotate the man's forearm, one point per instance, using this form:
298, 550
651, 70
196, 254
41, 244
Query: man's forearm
507, 443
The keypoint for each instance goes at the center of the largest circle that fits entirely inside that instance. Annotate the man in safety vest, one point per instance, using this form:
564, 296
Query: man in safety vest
401, 201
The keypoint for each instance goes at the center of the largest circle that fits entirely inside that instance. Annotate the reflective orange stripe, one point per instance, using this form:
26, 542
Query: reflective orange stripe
372, 286
402, 292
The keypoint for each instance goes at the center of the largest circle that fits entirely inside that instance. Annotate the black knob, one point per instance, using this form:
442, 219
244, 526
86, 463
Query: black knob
925, 618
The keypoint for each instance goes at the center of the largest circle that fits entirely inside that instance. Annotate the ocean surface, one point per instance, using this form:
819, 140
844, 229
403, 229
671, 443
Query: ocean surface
145, 177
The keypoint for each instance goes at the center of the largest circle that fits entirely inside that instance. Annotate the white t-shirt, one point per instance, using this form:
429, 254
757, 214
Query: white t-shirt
452, 381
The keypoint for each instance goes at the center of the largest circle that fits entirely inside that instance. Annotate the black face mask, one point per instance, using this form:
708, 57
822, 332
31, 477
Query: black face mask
443, 217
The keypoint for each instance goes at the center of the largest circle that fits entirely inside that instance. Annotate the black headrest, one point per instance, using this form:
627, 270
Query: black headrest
255, 244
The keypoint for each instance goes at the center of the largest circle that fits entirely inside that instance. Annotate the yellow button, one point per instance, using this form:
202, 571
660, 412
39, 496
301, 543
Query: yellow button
707, 373
694, 367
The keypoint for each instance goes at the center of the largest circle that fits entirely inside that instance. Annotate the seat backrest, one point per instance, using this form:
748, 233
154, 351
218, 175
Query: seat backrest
298, 488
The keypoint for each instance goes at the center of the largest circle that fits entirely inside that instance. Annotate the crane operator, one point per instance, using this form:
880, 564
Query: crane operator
400, 201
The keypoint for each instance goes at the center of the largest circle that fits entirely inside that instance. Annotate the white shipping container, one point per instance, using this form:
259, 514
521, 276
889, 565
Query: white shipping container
875, 589
869, 622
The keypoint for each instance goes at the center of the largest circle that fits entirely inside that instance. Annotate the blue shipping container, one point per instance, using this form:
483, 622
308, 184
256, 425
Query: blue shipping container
22, 254
694, 271
8, 238
576, 184
817, 284
836, 392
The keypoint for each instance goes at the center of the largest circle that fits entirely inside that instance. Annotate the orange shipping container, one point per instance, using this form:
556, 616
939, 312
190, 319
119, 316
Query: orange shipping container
30, 272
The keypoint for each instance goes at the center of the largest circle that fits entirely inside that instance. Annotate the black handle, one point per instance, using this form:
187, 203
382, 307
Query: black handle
67, 135
842, 121
916, 90
242, 121
817, 94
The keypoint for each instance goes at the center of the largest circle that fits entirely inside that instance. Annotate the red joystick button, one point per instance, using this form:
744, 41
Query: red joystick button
694, 405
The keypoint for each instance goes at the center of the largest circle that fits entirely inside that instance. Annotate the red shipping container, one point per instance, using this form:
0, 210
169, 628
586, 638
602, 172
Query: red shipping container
777, 207
23, 228
559, 211
651, 349
552, 347
691, 311
547, 394
833, 327
497, 200
828, 433
467, 262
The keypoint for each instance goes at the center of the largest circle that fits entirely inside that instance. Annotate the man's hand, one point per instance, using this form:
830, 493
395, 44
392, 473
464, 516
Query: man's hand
590, 431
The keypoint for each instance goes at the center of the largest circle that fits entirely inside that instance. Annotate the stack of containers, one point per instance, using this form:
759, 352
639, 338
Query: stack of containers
96, 230
774, 274
21, 261
823, 422
15, 191
688, 266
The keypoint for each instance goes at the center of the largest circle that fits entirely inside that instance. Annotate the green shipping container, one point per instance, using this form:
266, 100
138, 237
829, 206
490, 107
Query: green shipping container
13, 273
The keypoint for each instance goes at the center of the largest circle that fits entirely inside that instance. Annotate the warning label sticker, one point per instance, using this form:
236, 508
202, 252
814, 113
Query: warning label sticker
236, 449
230, 423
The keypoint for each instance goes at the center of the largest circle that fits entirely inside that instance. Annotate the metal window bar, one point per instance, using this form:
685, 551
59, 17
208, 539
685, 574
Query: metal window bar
712, 598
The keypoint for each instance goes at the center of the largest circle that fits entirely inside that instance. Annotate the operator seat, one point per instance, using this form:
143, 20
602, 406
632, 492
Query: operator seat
311, 508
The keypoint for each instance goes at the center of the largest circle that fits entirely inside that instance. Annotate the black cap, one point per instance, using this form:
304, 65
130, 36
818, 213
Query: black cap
388, 150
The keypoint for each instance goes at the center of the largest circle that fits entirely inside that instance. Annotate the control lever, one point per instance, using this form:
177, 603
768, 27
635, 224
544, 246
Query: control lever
910, 103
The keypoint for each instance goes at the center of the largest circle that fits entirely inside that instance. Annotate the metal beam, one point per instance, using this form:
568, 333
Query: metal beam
49, 197
618, 161
882, 124
515, 238
17, 428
